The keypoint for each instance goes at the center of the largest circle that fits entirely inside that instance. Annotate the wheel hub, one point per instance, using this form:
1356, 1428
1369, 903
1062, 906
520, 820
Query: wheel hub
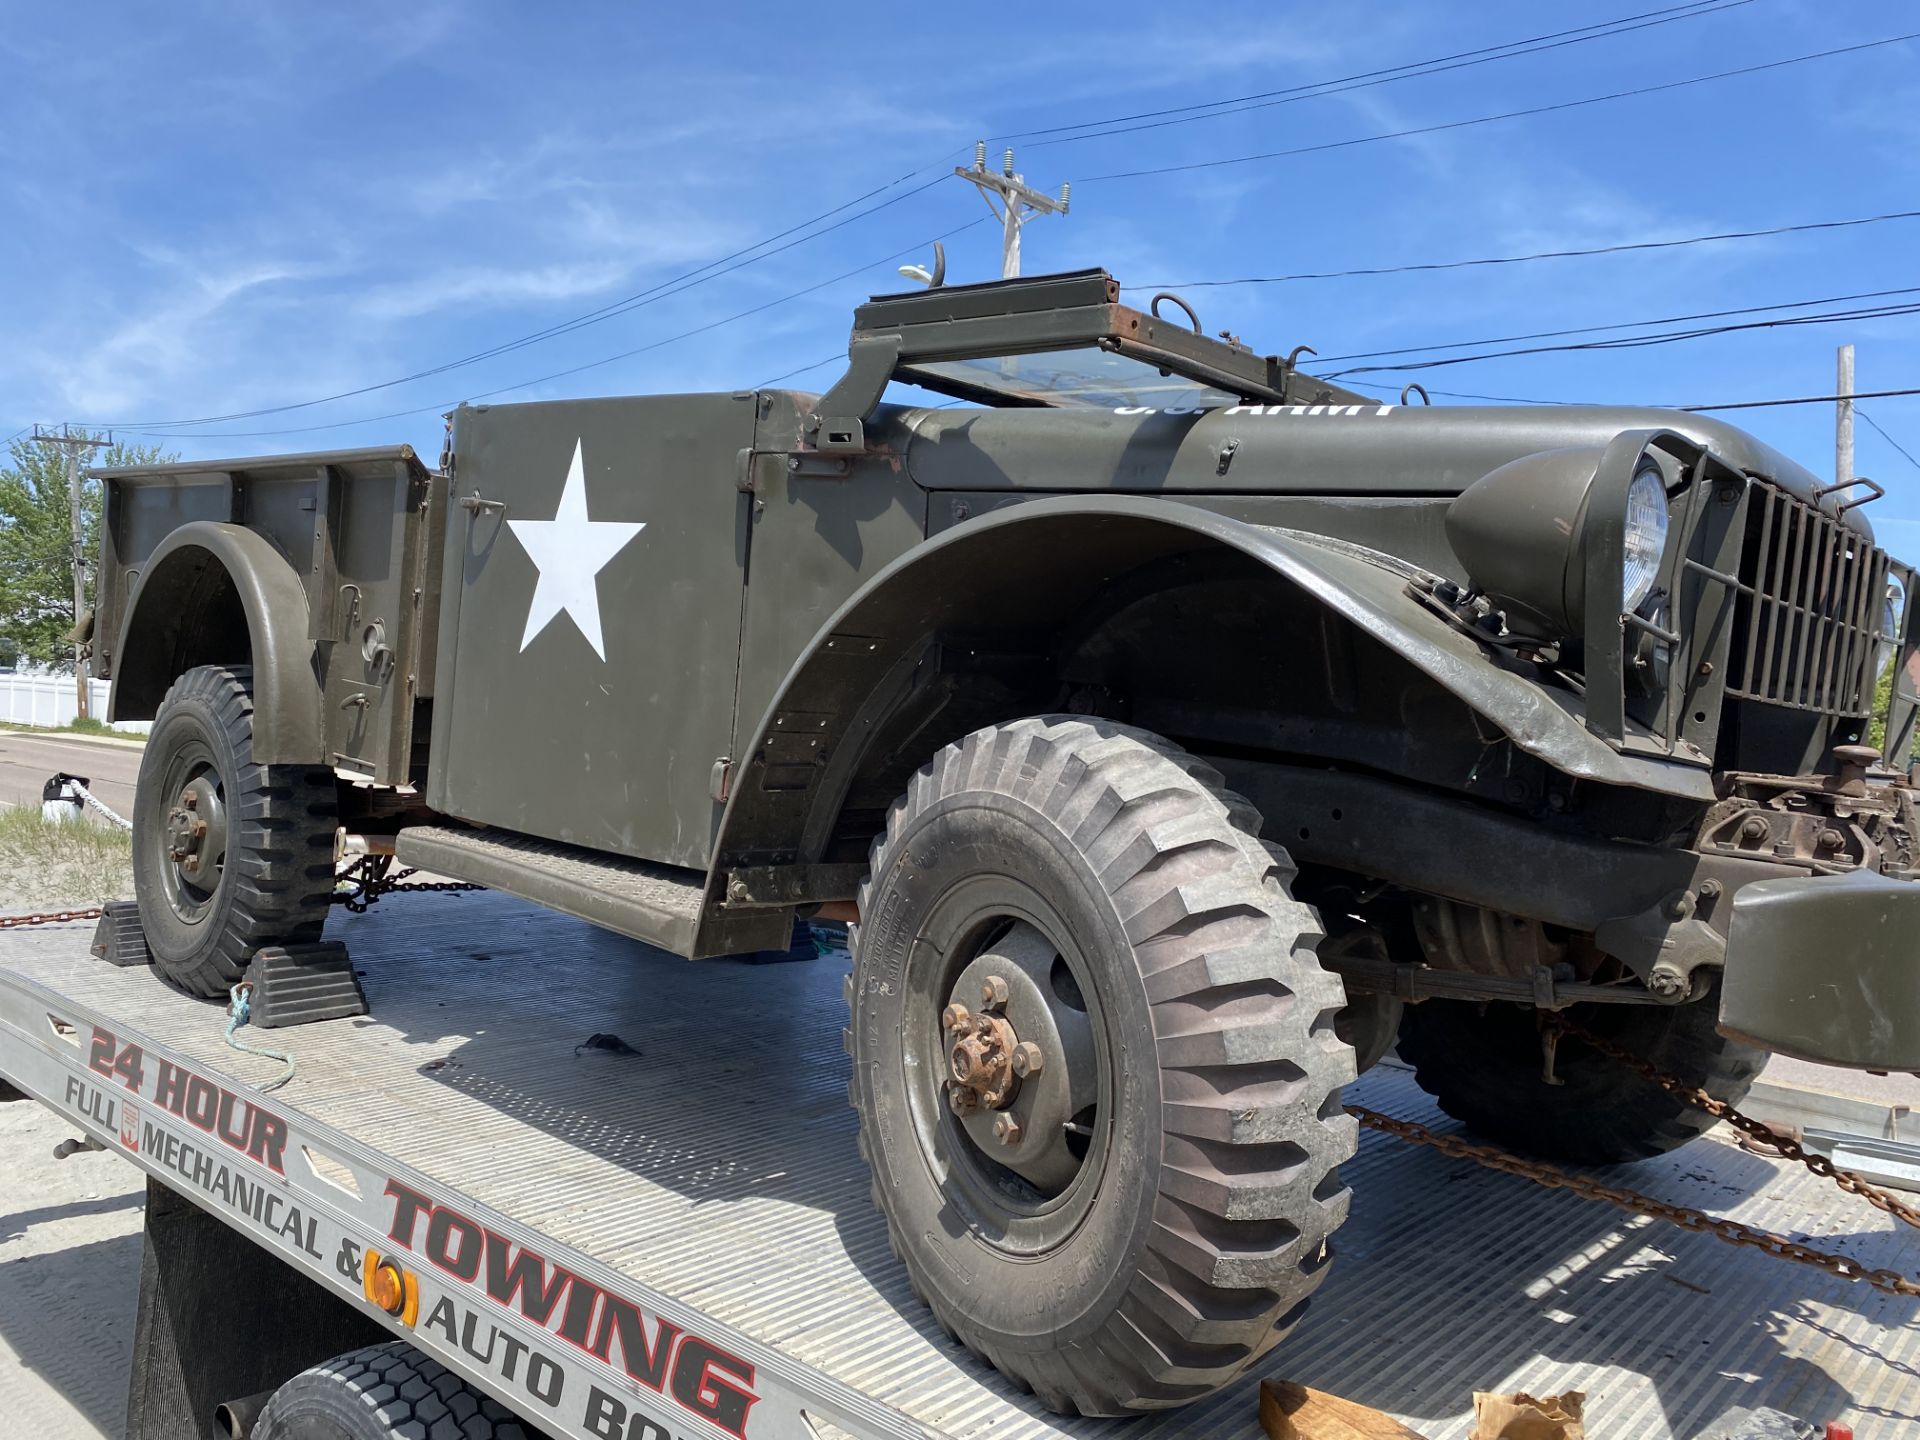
980, 1060
1020, 1069
196, 828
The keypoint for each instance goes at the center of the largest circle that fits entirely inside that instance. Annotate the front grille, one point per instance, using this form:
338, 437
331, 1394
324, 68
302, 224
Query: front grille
1808, 609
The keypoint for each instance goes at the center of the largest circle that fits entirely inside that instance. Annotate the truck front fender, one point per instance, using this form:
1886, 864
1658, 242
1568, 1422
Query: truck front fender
1031, 564
220, 594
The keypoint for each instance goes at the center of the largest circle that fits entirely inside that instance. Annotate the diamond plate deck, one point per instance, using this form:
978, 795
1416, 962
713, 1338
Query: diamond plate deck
700, 1167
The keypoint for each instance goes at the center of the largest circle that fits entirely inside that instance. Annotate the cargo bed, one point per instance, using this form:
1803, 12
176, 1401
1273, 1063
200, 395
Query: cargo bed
710, 1178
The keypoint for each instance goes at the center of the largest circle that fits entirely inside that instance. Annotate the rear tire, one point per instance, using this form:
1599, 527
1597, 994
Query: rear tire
1483, 1064
250, 863
1160, 1211
384, 1392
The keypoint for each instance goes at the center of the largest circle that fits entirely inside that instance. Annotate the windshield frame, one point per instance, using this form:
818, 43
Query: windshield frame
895, 337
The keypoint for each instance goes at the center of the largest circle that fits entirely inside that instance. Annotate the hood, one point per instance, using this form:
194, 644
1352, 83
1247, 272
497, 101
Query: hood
1289, 449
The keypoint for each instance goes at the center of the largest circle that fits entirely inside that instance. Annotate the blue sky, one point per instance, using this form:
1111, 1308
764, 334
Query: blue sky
249, 206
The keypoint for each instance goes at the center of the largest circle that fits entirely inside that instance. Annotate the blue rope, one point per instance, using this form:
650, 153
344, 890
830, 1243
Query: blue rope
239, 1010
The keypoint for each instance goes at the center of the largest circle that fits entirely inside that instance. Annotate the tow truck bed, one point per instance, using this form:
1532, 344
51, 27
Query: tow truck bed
710, 1181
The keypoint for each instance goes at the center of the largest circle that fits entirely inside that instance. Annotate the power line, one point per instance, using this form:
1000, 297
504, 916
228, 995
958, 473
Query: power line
1886, 437
743, 257
1623, 341
1366, 80
575, 369
1504, 115
1731, 405
746, 256
664, 290
1634, 342
815, 365
1802, 228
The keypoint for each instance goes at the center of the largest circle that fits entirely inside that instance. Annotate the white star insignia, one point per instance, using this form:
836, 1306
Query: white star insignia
570, 551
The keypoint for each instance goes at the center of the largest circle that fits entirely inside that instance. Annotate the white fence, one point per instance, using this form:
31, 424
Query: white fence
52, 700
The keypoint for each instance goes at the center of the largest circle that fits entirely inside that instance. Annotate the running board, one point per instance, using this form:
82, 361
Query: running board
659, 904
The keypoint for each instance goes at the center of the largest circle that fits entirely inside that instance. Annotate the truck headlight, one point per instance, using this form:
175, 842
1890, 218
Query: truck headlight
1646, 535
1521, 531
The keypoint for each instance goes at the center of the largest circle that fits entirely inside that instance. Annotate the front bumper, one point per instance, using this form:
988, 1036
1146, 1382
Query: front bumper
1827, 968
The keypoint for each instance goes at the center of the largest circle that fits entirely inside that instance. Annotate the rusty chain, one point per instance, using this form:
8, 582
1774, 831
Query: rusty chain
50, 917
1734, 1232
1788, 1147
368, 889
372, 881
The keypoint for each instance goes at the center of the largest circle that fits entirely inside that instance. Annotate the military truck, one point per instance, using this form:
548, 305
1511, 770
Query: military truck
1177, 730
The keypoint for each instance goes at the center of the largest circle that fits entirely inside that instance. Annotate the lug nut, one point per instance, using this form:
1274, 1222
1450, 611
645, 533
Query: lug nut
993, 992
956, 1018
962, 1100
189, 799
1006, 1130
1027, 1059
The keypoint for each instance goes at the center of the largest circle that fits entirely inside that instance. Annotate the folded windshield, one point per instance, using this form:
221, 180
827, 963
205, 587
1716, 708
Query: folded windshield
1078, 377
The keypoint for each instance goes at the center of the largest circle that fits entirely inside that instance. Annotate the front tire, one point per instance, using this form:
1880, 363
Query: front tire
1133, 1215
1483, 1064
228, 855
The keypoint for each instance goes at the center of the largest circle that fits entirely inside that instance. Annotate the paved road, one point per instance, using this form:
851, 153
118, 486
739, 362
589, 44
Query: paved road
26, 760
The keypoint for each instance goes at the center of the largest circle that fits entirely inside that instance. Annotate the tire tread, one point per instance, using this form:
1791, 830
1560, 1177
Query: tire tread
1244, 1019
280, 846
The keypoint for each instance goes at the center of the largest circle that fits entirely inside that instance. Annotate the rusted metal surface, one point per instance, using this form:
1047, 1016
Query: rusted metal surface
981, 1057
1734, 1232
1769, 1138
50, 917
1828, 826
1478, 941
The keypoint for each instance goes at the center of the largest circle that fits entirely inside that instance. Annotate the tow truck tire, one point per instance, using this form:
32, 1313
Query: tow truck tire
384, 1392
263, 871
1146, 1250
1483, 1064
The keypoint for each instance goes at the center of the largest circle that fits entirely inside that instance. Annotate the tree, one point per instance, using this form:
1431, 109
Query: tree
36, 547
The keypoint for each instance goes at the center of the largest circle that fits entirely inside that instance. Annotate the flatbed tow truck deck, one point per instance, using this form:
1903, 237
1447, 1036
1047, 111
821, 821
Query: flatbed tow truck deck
704, 1176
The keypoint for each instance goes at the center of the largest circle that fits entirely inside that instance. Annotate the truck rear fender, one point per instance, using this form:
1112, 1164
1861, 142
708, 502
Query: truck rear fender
1033, 567
219, 594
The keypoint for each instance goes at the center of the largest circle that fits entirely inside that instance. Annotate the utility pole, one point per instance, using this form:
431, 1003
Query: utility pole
75, 446
1018, 202
1843, 419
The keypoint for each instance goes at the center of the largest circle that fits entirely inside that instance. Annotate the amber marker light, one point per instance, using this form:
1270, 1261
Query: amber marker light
393, 1289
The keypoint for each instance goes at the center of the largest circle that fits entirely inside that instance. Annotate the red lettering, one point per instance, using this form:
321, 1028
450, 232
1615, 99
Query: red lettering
171, 1091
524, 1275
645, 1361
442, 1226
267, 1139
700, 1385
408, 1205
203, 1102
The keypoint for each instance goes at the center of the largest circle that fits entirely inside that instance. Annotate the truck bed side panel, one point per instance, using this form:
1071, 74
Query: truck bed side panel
354, 525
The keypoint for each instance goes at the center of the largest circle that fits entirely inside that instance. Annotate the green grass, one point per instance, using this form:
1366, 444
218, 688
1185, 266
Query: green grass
86, 726
47, 864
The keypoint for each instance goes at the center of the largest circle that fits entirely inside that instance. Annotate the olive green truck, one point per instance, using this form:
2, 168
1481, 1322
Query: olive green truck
1178, 732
